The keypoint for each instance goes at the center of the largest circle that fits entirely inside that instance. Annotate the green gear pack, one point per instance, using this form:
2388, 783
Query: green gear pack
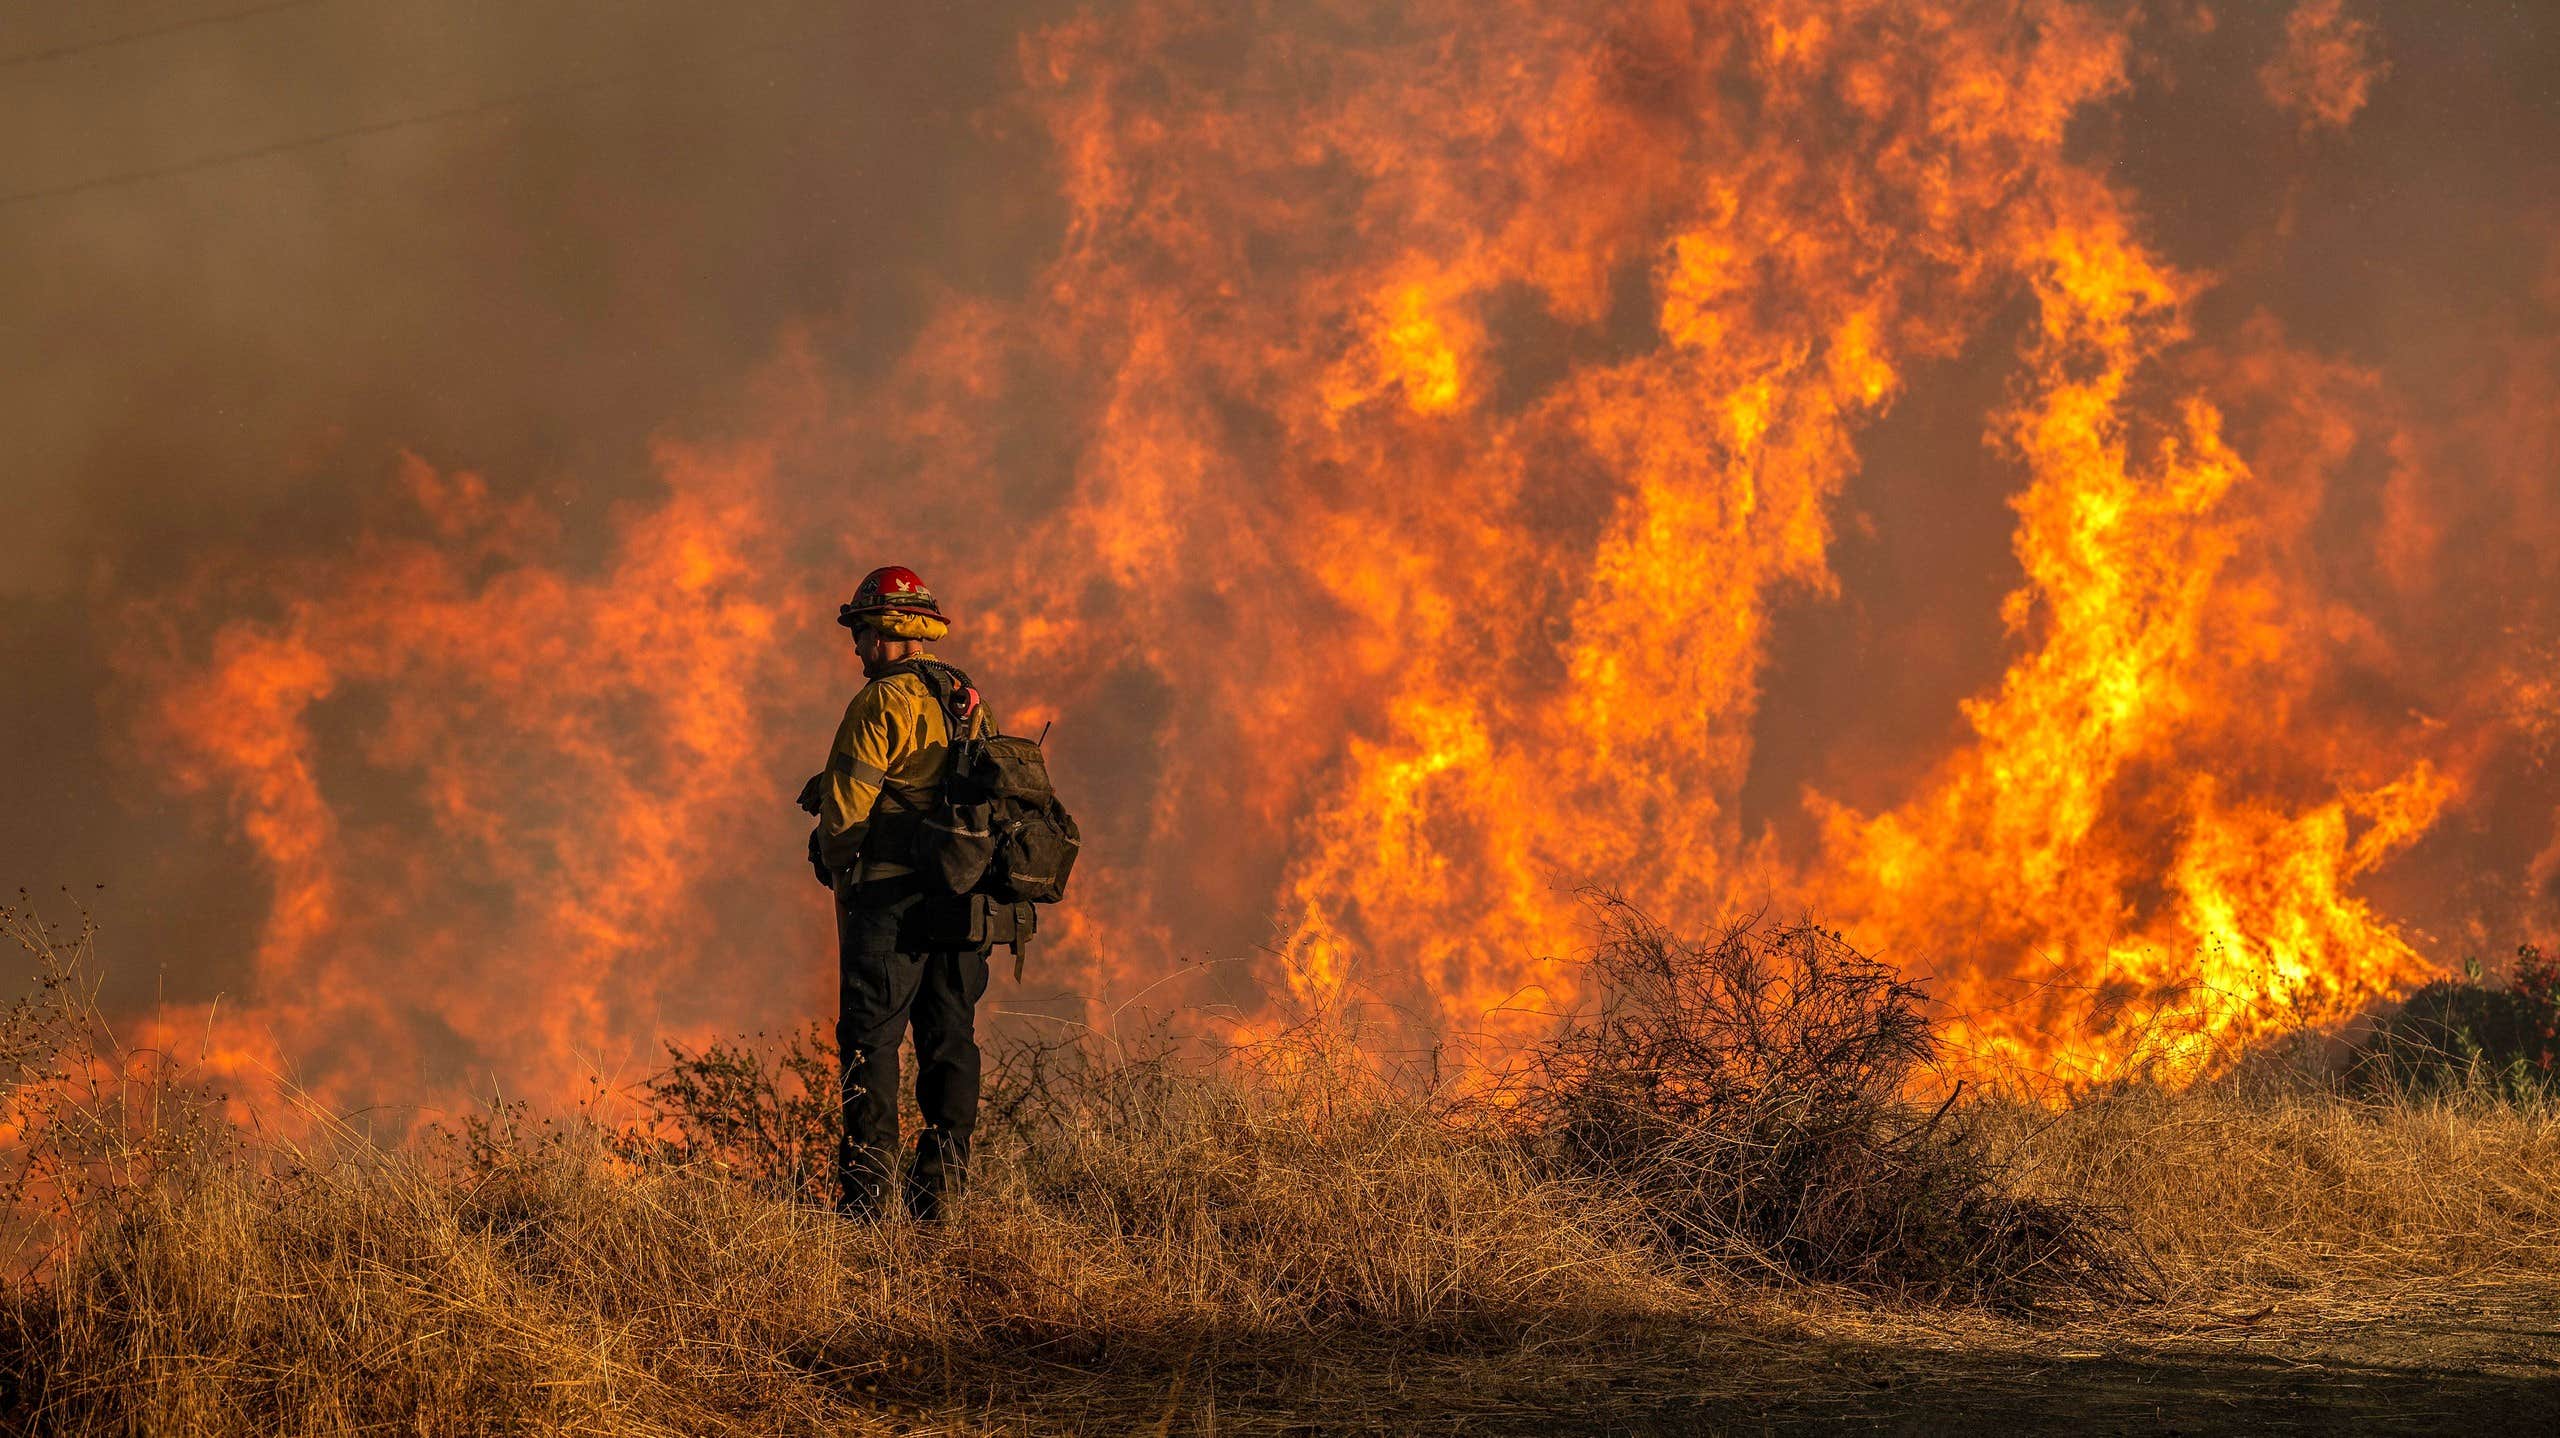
995, 826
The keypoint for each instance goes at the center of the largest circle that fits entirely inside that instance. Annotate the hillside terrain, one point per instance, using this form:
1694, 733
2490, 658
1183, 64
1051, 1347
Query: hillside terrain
1673, 1230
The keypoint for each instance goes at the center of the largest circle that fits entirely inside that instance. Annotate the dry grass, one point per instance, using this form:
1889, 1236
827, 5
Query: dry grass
2295, 1187
1282, 1240
568, 1293
1156, 1220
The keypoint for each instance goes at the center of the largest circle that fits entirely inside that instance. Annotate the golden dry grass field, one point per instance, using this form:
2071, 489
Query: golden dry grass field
1286, 1238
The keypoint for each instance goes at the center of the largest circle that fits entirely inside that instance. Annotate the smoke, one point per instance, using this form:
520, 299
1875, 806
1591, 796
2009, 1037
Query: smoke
1419, 460
223, 367
2327, 68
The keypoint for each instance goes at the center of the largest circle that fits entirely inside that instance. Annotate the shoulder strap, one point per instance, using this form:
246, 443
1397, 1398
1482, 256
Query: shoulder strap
936, 675
950, 688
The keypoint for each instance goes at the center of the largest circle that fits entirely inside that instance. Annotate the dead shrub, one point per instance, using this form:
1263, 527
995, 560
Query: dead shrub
1752, 1092
2457, 1037
760, 1112
764, 1112
85, 1119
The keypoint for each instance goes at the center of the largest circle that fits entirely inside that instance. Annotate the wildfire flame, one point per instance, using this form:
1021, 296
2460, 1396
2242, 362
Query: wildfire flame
1390, 487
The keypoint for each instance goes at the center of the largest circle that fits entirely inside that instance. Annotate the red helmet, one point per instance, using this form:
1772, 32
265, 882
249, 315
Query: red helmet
890, 589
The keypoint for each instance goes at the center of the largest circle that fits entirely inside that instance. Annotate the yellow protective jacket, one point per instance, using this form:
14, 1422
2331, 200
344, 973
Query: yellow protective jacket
890, 754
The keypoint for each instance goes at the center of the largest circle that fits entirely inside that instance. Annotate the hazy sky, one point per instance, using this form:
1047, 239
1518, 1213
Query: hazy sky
623, 205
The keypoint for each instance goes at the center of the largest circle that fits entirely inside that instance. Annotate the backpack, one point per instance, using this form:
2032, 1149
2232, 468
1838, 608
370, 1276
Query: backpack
995, 827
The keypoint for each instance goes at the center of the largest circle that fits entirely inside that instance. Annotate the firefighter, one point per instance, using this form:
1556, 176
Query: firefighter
903, 961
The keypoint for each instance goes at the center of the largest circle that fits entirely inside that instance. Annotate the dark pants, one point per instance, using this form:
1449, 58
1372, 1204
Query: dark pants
886, 984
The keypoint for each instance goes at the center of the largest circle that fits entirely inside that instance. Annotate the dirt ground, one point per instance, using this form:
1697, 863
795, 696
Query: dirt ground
2478, 1358
2471, 1359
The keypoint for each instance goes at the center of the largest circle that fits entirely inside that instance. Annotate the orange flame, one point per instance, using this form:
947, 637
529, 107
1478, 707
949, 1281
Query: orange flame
1389, 487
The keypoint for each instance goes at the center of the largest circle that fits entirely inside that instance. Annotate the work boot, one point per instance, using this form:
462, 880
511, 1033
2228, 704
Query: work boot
862, 1185
935, 1175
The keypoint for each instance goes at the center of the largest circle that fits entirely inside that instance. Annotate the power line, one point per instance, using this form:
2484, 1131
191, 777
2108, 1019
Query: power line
403, 122
105, 42
278, 147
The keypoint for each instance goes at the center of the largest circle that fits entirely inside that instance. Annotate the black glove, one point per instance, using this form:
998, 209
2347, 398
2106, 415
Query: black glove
817, 861
812, 792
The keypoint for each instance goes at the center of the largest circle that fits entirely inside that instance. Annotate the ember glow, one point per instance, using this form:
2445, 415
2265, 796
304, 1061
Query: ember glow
1396, 485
